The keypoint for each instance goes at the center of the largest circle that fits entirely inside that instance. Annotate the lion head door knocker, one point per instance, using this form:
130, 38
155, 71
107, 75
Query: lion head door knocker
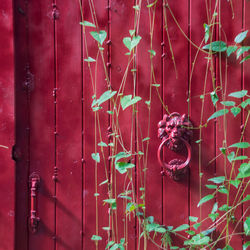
174, 131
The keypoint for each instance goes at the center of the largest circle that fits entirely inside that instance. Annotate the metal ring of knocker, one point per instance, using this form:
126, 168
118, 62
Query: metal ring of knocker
175, 168
174, 132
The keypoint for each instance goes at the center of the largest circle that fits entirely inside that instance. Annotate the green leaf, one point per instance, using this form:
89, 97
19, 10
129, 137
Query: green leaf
181, 228
152, 4
150, 219
211, 186
122, 167
206, 27
196, 226
110, 243
148, 103
152, 52
240, 37
190, 232
231, 156
218, 114
131, 32
131, 43
205, 199
121, 155
136, 7
96, 237
215, 207
88, 24
160, 230
96, 157
110, 201
228, 103
244, 170
146, 139
99, 36
125, 197
238, 94
104, 182
127, 101
217, 46
247, 198
223, 150
197, 240
227, 247
102, 144
106, 228
156, 85
247, 226
245, 103
223, 190
235, 183
240, 145
96, 194
214, 97
89, 59
214, 216
241, 157
242, 50
105, 96
218, 179
193, 219
225, 208
208, 231
115, 246
231, 49
246, 245
245, 59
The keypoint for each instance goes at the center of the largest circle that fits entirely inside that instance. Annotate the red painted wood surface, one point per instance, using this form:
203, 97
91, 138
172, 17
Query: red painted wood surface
57, 131
6, 126
175, 88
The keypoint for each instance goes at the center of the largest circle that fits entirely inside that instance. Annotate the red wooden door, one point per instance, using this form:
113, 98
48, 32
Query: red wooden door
87, 173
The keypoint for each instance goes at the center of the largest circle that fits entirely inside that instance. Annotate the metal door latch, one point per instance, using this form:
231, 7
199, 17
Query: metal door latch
34, 181
174, 132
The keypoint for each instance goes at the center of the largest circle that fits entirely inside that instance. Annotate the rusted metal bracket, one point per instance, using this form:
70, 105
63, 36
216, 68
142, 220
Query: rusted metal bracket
174, 132
34, 181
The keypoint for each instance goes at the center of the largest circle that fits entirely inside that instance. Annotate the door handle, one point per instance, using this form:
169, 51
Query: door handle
174, 131
34, 181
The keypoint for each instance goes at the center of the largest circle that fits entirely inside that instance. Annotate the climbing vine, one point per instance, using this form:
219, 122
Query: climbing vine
125, 159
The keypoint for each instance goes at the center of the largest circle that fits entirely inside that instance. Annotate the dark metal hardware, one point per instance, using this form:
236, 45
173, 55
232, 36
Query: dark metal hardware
34, 180
174, 132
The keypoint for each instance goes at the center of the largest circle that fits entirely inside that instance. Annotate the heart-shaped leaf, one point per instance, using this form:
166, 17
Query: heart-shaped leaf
99, 36
127, 101
131, 43
122, 167
96, 157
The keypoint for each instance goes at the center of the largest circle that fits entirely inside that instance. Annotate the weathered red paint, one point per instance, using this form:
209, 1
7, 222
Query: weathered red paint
6, 127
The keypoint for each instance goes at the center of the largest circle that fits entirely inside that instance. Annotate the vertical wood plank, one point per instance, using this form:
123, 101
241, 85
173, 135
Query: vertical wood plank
69, 127
21, 123
148, 118
41, 117
96, 213
228, 127
175, 89
246, 86
201, 84
7, 177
